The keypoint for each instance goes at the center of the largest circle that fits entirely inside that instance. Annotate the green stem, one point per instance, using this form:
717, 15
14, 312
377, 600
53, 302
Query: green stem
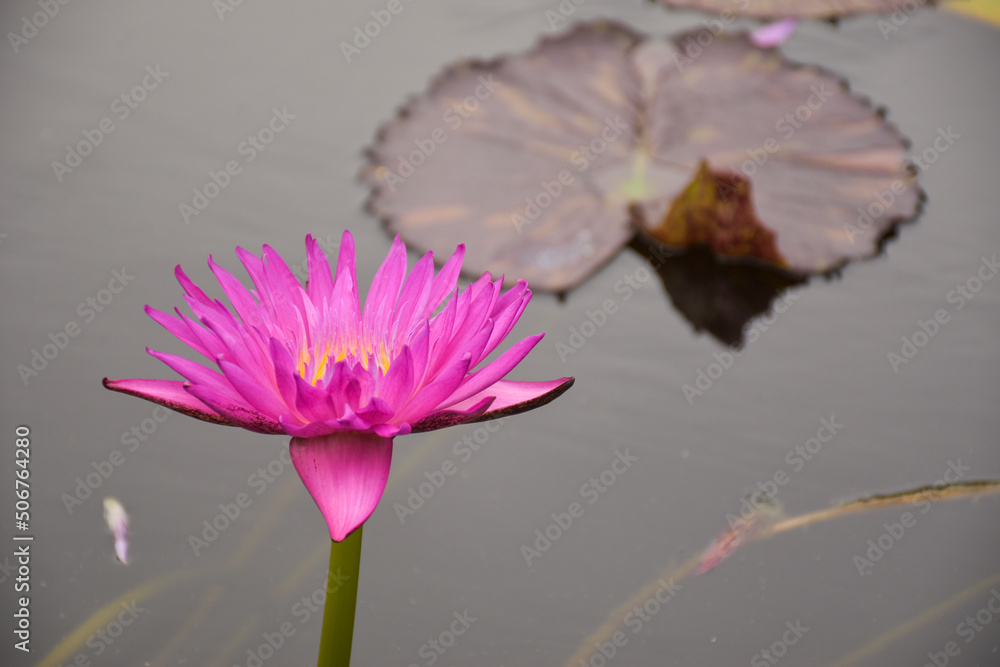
341, 601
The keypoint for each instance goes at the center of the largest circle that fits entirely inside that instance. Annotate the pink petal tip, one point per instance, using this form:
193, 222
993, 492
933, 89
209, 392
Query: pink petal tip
774, 34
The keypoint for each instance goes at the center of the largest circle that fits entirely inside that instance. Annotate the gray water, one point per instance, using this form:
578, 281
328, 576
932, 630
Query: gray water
218, 81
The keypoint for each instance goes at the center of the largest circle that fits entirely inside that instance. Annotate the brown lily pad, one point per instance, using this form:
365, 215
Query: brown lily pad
803, 9
543, 163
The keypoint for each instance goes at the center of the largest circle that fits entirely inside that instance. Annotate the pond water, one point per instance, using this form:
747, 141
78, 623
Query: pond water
450, 583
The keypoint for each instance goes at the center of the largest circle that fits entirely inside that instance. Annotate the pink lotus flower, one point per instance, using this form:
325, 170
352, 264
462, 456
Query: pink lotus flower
310, 363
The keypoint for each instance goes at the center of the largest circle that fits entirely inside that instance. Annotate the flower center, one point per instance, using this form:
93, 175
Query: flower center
313, 363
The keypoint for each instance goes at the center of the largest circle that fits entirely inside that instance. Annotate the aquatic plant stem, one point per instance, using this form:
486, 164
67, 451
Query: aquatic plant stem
341, 601
678, 573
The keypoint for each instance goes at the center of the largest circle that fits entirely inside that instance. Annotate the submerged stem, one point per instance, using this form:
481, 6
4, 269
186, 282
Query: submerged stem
341, 601
677, 573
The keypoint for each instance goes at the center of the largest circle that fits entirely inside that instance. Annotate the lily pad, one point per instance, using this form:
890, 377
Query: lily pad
805, 9
546, 163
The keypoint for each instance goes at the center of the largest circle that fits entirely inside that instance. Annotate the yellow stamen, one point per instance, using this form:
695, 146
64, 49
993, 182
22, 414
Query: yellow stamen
314, 362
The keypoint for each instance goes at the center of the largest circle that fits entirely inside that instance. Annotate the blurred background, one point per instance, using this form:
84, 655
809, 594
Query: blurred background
168, 94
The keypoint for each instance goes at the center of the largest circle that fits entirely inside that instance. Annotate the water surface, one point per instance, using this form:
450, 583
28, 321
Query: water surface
221, 80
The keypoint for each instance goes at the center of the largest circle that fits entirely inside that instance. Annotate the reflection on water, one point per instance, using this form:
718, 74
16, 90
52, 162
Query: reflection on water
714, 296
